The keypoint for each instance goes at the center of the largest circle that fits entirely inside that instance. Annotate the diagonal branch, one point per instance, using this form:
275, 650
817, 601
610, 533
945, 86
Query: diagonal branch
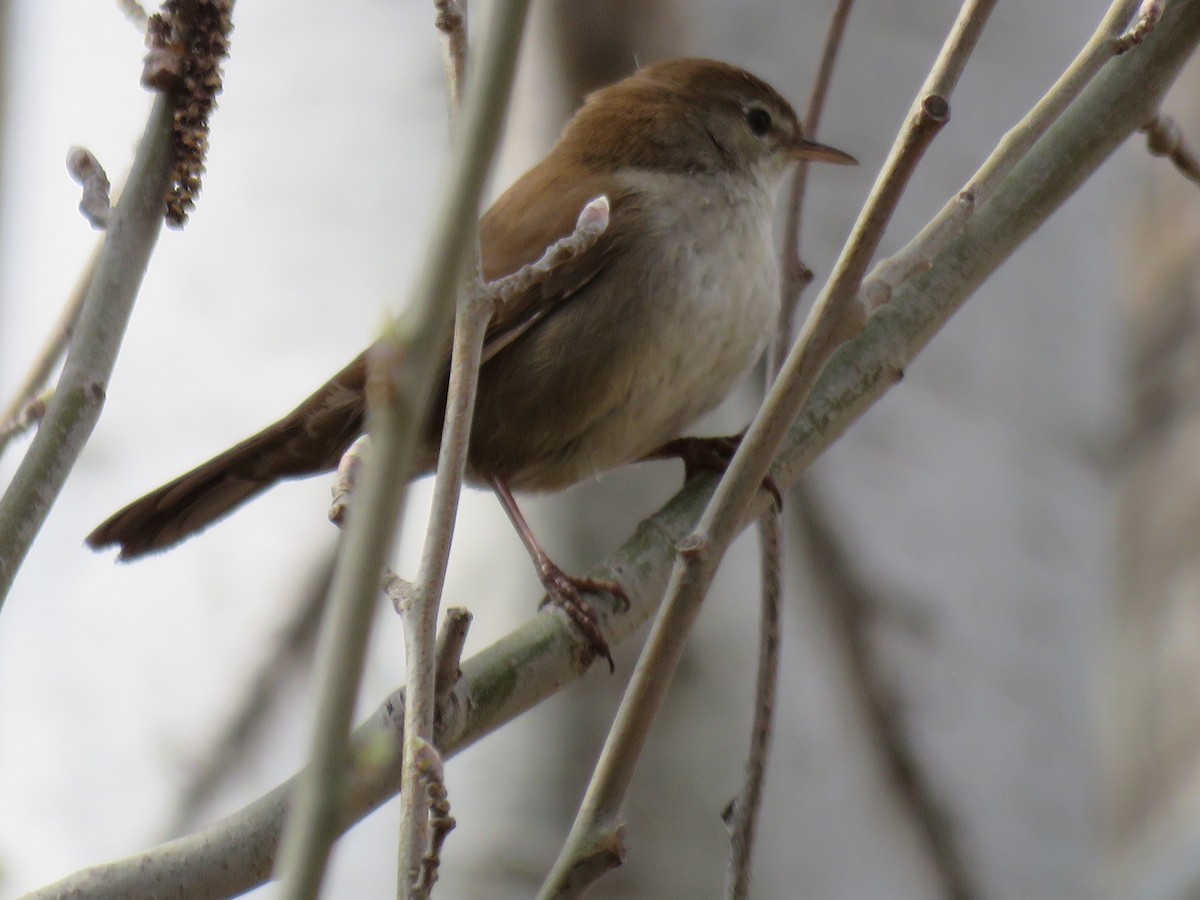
107, 305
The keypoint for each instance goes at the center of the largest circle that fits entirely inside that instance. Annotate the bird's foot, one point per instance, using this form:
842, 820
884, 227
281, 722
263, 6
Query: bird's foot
566, 592
711, 454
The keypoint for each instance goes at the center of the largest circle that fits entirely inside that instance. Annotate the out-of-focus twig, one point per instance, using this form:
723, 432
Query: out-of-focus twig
134, 12
294, 648
850, 603
106, 307
794, 277
48, 357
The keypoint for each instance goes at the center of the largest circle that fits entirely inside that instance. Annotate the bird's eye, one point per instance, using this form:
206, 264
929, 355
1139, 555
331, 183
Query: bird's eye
759, 120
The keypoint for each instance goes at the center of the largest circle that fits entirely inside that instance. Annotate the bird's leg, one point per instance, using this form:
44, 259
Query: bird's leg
563, 590
709, 454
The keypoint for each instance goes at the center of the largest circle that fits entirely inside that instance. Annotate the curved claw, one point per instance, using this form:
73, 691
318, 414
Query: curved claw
565, 592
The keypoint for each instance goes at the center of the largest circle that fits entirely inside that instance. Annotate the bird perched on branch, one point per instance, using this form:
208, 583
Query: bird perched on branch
608, 358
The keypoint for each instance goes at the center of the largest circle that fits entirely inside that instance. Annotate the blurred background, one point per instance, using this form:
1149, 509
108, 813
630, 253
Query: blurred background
991, 677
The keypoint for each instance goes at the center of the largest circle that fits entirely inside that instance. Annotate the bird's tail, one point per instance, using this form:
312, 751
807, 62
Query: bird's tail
309, 440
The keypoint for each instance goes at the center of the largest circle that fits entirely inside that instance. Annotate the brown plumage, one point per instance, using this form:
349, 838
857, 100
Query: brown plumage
617, 351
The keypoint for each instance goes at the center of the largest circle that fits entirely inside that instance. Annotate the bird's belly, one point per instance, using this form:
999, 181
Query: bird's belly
651, 343
632, 375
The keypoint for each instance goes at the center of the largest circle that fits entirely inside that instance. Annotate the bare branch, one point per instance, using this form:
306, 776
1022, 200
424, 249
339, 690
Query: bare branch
33, 386
794, 277
743, 814
591, 224
418, 613
1104, 44
107, 305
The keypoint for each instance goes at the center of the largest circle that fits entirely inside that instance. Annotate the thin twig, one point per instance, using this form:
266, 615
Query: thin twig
236, 854
107, 305
794, 277
419, 611
1164, 137
836, 317
850, 602
743, 816
52, 350
418, 615
915, 256
401, 372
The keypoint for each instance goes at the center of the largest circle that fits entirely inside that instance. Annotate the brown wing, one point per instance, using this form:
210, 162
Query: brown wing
308, 440
540, 208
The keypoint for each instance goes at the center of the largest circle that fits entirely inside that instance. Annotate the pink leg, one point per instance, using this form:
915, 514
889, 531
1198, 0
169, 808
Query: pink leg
562, 590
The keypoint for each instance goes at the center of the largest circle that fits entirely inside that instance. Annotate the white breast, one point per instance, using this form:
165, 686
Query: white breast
716, 283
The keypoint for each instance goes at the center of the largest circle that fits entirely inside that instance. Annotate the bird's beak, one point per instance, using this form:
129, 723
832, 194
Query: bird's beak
806, 149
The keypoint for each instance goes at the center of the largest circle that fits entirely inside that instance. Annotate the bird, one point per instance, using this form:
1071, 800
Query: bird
608, 359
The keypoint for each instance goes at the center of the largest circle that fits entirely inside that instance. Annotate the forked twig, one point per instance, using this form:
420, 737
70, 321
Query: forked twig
1109, 40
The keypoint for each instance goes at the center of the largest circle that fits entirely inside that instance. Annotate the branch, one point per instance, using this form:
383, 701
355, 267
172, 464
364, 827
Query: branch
835, 318
541, 657
1108, 41
107, 305
418, 616
401, 372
